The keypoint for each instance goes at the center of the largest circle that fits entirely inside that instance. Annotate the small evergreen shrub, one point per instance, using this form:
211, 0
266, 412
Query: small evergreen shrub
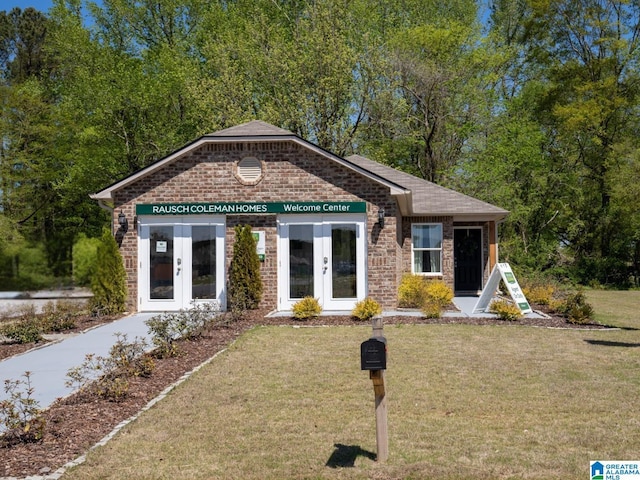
505, 310
25, 329
108, 377
59, 317
129, 358
438, 292
541, 294
306, 308
21, 419
412, 291
366, 309
575, 307
245, 281
108, 283
431, 309
167, 328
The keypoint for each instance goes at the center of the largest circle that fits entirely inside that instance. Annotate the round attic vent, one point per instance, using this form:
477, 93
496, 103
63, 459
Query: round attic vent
249, 170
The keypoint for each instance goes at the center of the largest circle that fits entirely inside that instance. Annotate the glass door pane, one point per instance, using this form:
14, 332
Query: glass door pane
343, 265
203, 261
161, 276
300, 261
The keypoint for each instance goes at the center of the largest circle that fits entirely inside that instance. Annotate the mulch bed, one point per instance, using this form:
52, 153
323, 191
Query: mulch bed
75, 424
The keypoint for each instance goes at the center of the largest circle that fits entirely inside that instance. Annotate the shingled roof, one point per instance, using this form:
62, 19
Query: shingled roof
428, 198
253, 128
416, 197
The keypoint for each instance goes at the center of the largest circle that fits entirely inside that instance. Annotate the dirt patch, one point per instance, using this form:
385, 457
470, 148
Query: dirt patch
77, 423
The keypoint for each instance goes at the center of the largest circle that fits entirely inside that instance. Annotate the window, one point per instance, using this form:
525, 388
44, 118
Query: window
427, 248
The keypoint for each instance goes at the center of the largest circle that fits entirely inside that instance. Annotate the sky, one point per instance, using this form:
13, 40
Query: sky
41, 5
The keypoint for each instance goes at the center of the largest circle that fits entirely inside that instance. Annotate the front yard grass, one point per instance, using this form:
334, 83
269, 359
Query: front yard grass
464, 402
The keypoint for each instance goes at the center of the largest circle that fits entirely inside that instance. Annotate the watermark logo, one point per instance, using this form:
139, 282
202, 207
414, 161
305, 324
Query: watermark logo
615, 470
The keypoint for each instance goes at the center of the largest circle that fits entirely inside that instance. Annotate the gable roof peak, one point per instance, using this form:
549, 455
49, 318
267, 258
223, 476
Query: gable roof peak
252, 128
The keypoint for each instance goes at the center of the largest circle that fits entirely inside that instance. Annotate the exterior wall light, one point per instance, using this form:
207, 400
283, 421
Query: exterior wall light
381, 217
123, 222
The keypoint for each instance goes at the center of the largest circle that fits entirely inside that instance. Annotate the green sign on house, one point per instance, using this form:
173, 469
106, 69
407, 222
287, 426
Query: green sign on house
239, 208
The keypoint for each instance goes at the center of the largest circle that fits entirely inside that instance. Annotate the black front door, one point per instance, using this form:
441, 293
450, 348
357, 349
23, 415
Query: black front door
467, 253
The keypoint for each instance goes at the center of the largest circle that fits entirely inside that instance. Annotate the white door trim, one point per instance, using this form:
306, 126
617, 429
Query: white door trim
322, 270
182, 261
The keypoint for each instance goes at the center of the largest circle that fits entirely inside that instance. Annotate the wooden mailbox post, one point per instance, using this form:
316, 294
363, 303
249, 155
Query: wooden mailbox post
373, 353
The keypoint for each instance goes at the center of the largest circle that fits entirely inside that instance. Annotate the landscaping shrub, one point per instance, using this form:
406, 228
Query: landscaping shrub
505, 310
165, 331
306, 308
366, 309
438, 292
60, 316
25, 329
21, 418
108, 283
167, 328
245, 281
539, 294
412, 291
575, 308
108, 377
129, 358
431, 309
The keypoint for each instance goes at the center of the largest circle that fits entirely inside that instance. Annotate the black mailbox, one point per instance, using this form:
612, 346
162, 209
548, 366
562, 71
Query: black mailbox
373, 354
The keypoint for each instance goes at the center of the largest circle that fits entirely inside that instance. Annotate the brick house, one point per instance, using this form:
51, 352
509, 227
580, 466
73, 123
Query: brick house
339, 229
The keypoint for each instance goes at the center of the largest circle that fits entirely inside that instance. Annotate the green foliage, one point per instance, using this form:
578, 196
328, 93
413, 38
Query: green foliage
167, 328
27, 269
505, 310
60, 316
129, 358
109, 377
25, 329
109, 281
412, 291
575, 307
525, 116
85, 259
27, 326
245, 281
366, 309
306, 308
569, 138
21, 419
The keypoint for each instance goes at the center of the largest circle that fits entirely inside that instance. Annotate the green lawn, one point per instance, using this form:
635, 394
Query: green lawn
464, 402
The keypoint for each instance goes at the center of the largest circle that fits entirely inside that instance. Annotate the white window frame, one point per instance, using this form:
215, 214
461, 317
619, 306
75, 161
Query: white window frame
414, 249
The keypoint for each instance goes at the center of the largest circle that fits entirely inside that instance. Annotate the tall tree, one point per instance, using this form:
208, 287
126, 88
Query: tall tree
22, 38
591, 50
437, 74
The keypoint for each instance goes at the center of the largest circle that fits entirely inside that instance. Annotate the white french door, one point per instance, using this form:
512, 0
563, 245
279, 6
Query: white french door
323, 257
181, 260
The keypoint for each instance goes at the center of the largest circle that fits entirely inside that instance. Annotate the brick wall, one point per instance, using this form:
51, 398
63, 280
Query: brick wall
291, 173
447, 245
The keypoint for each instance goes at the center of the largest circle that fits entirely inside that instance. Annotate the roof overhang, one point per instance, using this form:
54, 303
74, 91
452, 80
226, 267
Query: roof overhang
402, 194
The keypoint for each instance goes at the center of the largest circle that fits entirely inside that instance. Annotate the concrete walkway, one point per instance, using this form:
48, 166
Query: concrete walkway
50, 363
